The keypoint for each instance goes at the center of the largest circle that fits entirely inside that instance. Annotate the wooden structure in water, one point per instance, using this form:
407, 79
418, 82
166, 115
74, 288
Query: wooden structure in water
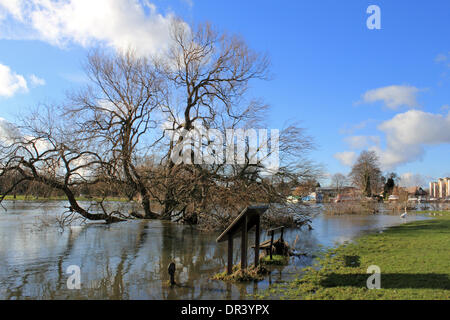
268, 244
250, 217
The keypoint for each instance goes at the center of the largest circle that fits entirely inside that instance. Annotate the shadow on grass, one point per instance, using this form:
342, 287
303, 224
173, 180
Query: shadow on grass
352, 261
390, 281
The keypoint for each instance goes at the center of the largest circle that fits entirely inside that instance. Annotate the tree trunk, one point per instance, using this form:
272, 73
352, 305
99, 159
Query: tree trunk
95, 217
147, 210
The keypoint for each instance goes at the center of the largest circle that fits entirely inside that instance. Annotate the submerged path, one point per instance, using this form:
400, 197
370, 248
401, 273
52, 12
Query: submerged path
414, 260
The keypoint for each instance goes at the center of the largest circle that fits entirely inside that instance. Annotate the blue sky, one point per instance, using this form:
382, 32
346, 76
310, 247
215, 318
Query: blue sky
353, 88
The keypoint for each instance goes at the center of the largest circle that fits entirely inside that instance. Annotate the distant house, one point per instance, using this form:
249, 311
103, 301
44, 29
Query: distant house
422, 193
292, 199
416, 192
313, 197
393, 197
343, 193
346, 198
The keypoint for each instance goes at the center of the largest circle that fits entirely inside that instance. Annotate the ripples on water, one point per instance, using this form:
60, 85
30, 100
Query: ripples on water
129, 260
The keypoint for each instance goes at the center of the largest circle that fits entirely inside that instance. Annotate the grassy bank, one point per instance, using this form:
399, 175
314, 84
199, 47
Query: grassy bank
414, 259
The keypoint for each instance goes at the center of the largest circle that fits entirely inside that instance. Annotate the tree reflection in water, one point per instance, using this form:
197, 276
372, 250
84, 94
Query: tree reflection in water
129, 260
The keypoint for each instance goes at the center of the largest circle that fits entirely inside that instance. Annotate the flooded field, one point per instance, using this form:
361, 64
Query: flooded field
129, 260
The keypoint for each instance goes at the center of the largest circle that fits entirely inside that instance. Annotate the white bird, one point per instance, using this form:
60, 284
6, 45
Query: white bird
403, 215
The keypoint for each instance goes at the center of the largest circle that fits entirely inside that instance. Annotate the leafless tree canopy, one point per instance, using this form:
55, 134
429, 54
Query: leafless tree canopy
366, 173
115, 136
339, 181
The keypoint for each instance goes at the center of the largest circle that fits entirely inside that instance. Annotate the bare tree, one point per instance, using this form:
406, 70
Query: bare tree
117, 135
366, 173
118, 110
339, 181
210, 73
44, 152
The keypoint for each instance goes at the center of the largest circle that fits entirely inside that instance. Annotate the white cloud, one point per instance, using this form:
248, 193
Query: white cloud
359, 142
8, 131
9, 134
189, 3
351, 129
36, 81
119, 24
393, 96
77, 77
347, 158
441, 57
13, 7
408, 133
11, 82
410, 179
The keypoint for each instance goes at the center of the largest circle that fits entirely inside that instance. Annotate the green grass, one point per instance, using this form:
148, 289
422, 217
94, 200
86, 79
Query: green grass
414, 259
430, 212
277, 260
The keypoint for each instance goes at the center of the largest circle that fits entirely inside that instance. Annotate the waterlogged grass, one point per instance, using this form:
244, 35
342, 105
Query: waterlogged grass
414, 259
431, 213
277, 260
252, 273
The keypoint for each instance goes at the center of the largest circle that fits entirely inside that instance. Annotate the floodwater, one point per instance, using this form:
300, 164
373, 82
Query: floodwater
129, 260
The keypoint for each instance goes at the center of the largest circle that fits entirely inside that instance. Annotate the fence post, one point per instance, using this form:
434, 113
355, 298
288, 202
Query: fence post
271, 243
230, 254
244, 245
257, 243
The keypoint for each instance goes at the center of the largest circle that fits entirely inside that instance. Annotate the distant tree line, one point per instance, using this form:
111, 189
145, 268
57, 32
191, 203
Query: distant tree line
367, 176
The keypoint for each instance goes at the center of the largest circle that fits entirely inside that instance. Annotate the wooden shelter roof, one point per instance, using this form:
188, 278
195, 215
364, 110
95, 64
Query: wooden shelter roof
252, 213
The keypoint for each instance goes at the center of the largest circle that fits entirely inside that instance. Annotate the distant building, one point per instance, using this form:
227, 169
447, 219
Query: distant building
313, 197
433, 189
334, 192
393, 197
292, 199
440, 189
416, 191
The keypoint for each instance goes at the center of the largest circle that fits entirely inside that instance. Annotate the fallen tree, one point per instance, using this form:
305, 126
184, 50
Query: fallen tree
40, 151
